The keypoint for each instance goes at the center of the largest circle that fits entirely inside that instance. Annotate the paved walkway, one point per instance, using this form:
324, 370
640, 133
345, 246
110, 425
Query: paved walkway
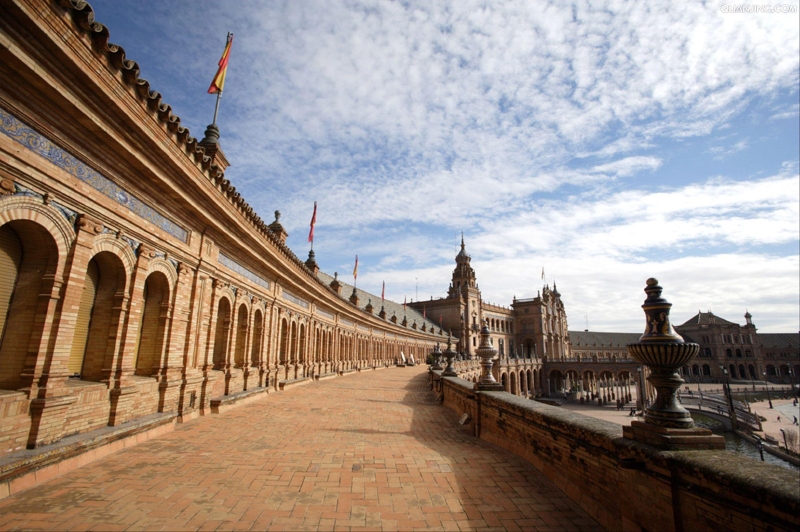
367, 451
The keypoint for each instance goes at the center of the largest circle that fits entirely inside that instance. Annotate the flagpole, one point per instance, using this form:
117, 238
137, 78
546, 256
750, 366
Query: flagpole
216, 109
219, 92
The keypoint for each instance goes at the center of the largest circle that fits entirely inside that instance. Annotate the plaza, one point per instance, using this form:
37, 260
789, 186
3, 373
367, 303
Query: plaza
371, 451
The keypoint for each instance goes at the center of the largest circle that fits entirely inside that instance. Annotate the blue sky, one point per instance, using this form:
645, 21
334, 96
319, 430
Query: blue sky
604, 142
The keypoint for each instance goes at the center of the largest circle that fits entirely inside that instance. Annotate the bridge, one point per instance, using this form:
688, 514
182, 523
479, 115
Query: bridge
716, 407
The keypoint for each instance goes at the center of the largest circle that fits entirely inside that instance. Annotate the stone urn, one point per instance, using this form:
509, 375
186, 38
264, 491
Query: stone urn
486, 353
449, 354
664, 352
437, 355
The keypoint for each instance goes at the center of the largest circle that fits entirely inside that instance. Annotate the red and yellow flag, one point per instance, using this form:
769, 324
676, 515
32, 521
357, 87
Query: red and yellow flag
219, 79
355, 270
313, 223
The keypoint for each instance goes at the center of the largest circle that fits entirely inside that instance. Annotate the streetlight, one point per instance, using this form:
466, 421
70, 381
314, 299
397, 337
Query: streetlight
767, 389
784, 439
727, 387
759, 446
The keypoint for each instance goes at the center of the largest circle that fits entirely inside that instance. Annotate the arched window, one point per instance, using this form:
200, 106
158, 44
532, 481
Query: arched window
221, 333
255, 352
153, 325
27, 253
241, 337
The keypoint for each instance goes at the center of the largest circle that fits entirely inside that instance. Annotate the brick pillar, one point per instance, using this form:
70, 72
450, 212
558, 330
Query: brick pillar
206, 351
171, 373
124, 391
231, 343
45, 377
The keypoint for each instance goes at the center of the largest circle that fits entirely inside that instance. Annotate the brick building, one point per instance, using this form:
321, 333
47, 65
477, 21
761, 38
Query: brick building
136, 280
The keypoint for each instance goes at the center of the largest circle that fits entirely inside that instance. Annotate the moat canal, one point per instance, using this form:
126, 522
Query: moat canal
737, 444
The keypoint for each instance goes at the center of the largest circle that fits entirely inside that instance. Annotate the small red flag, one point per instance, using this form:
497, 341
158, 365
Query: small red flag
313, 223
219, 79
423, 313
355, 270
383, 291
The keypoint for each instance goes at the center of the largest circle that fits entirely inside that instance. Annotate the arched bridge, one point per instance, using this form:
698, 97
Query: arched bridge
717, 407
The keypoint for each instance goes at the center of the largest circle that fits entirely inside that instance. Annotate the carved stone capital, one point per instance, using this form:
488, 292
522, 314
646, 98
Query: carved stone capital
6, 187
89, 224
146, 251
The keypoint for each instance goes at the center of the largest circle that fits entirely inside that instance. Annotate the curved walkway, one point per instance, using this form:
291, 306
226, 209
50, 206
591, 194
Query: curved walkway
367, 451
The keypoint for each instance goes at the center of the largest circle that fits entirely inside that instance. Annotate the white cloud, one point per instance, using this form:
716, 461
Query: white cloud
523, 123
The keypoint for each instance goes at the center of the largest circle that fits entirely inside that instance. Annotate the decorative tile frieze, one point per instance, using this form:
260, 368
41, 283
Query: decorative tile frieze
241, 270
294, 299
363, 328
325, 314
348, 323
31, 139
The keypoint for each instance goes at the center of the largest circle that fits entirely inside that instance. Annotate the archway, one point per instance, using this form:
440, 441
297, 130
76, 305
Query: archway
241, 336
102, 293
221, 333
152, 328
27, 254
255, 352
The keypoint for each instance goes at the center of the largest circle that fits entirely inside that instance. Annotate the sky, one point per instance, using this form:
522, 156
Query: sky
593, 144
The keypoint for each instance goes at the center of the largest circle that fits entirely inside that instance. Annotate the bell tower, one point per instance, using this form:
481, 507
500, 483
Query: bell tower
464, 288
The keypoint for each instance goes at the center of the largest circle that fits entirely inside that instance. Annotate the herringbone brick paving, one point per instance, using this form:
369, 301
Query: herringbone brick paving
368, 451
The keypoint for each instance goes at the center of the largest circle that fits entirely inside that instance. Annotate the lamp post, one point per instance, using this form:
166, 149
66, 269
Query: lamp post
759, 446
727, 388
766, 387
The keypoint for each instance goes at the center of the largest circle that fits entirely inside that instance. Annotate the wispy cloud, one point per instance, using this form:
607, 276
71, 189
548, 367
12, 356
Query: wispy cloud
582, 134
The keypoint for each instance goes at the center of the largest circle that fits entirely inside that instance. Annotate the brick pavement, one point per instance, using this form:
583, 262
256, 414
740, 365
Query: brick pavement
367, 451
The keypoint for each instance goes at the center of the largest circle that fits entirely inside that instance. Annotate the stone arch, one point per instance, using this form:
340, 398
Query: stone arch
111, 244
224, 309
242, 330
293, 342
159, 264
153, 327
283, 342
93, 345
51, 220
39, 241
257, 333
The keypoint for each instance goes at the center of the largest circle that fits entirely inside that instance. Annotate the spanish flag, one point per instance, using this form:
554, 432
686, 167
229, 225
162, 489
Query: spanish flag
313, 223
355, 270
219, 79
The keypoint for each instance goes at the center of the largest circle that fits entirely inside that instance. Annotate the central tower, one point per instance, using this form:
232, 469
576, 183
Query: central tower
464, 288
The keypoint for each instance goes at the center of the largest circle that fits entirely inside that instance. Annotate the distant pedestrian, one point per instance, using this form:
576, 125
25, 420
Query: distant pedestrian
795, 420
779, 419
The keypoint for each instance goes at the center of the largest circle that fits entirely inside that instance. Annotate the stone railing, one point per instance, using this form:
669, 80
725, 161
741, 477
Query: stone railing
624, 484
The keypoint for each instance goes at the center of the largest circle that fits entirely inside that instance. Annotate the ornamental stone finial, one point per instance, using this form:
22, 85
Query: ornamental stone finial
486, 352
449, 354
656, 309
666, 424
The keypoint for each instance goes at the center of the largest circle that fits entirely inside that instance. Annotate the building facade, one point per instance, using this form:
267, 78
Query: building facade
538, 355
135, 279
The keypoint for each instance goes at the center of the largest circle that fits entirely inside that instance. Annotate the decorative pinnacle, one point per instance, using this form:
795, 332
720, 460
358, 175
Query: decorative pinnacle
656, 309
